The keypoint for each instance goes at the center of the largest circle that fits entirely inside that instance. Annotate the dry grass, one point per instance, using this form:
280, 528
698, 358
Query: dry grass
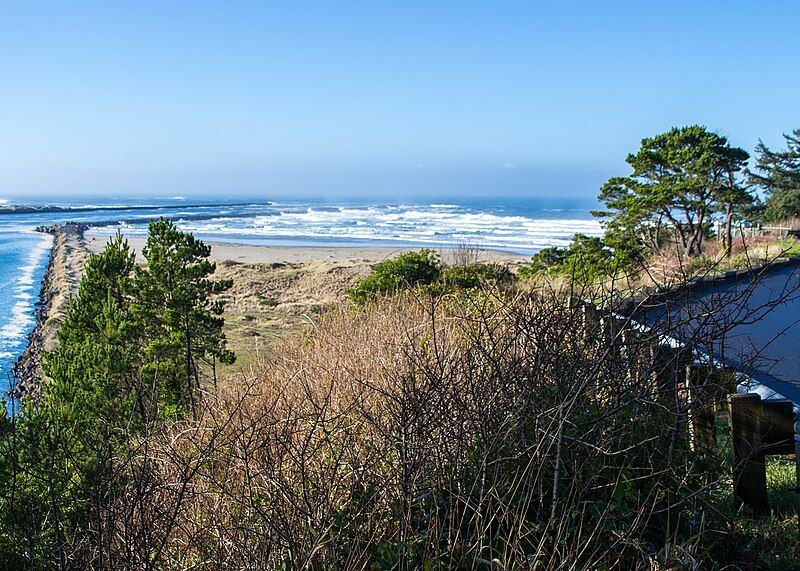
465, 432
668, 267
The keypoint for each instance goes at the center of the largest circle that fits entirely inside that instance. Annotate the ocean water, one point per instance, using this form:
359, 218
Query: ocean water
520, 225
433, 225
23, 258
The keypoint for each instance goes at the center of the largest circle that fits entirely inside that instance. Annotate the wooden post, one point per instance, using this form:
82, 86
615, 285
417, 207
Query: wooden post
749, 470
725, 381
589, 319
797, 465
702, 409
670, 364
608, 332
777, 427
624, 350
797, 453
778, 432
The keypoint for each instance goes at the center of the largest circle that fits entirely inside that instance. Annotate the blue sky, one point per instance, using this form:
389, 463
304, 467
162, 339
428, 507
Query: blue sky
376, 98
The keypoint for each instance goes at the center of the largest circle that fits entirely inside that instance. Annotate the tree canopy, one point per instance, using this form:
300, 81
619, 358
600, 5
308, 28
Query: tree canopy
175, 298
681, 179
586, 260
129, 356
777, 173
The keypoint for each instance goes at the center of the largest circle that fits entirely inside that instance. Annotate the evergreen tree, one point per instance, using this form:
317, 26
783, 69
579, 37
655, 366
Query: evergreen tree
60, 456
778, 174
174, 302
107, 279
63, 460
680, 180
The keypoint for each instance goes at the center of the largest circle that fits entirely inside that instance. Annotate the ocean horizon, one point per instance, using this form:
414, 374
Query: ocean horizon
519, 225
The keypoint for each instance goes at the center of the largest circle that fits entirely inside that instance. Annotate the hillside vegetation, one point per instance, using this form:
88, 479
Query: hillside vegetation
446, 416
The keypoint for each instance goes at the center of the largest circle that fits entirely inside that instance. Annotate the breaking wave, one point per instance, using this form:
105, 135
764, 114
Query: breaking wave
437, 225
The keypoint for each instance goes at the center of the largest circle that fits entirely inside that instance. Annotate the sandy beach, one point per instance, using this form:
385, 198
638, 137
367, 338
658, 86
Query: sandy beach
258, 254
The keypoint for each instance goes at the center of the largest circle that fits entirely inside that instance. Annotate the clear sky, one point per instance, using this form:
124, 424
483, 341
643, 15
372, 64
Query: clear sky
376, 98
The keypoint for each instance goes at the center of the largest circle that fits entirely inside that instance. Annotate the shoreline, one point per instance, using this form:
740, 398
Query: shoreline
62, 274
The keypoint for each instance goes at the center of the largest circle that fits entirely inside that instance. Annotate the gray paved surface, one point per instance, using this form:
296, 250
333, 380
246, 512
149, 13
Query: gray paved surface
752, 323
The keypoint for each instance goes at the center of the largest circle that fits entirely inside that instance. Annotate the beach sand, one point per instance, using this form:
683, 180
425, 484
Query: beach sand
257, 254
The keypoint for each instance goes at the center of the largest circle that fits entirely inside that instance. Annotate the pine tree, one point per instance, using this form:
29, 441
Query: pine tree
175, 303
106, 276
778, 174
680, 180
63, 460
62, 452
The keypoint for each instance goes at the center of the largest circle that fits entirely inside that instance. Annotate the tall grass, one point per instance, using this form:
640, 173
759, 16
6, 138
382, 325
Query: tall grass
486, 428
458, 432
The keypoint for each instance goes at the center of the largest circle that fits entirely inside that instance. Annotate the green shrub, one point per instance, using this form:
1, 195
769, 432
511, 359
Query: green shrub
476, 275
586, 260
791, 247
390, 276
423, 269
547, 260
701, 265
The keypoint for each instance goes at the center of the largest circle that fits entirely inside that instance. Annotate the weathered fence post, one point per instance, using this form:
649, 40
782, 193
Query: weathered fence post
625, 350
608, 332
749, 470
777, 426
702, 407
671, 377
725, 380
797, 453
589, 317
796, 435
778, 431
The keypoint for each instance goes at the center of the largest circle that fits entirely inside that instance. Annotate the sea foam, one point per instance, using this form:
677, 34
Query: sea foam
14, 331
435, 225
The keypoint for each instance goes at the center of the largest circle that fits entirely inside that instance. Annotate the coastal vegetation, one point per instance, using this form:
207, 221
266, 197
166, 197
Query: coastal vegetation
680, 179
587, 260
453, 415
777, 173
423, 269
689, 196
131, 353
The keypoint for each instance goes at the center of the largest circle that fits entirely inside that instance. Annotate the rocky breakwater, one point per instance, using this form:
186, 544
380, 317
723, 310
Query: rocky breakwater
62, 276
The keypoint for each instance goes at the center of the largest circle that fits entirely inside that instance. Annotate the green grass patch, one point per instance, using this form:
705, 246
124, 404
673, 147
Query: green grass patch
791, 247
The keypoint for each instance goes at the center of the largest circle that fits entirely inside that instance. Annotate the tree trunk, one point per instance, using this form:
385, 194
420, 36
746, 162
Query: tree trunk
696, 241
680, 232
728, 229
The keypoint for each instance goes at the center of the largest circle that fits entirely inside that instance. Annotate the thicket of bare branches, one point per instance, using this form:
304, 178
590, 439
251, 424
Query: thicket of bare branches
461, 432
479, 429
